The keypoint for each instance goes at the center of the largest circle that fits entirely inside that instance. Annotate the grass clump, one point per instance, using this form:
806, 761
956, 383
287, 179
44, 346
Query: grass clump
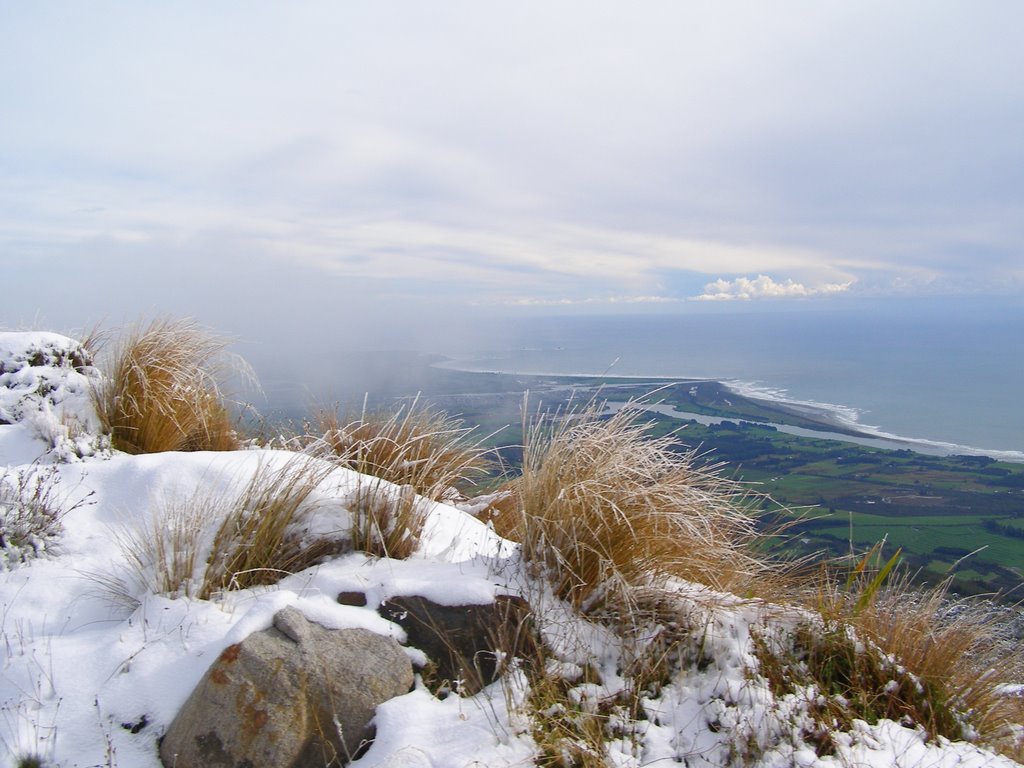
415, 446
387, 521
162, 389
875, 647
262, 538
957, 651
164, 554
263, 535
601, 505
853, 680
408, 458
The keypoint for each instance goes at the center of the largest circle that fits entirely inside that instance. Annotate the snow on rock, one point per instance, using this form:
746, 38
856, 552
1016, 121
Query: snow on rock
45, 398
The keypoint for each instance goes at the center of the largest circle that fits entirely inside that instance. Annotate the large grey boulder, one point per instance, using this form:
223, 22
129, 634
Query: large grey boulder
296, 695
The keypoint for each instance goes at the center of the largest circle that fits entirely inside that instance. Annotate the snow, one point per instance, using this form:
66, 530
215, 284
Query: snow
95, 665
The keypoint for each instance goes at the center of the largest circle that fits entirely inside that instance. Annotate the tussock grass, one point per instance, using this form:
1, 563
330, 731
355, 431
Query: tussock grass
878, 647
162, 389
956, 650
414, 446
387, 521
853, 680
261, 538
424, 452
610, 515
602, 507
165, 553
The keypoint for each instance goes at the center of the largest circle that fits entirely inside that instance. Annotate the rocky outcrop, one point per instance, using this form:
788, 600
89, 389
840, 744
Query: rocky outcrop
296, 695
465, 643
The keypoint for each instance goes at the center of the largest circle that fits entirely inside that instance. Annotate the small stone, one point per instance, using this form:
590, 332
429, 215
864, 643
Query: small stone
353, 597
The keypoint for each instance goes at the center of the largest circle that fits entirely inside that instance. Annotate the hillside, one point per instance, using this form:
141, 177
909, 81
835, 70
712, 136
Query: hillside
126, 575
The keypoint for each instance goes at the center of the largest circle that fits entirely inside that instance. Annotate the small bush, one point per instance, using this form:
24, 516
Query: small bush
571, 727
162, 390
415, 446
30, 513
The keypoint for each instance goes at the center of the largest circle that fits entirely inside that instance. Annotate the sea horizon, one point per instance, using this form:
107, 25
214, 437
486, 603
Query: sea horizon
947, 382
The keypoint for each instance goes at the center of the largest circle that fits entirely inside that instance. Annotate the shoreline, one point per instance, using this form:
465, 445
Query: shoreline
827, 421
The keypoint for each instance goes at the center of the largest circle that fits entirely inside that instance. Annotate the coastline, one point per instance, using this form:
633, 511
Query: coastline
818, 420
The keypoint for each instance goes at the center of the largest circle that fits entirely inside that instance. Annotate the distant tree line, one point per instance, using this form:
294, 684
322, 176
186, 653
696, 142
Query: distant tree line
1003, 529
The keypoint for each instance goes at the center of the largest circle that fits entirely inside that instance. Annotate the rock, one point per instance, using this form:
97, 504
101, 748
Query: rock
352, 597
465, 642
296, 695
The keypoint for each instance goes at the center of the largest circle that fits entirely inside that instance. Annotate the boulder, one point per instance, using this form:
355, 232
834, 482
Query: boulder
465, 642
296, 695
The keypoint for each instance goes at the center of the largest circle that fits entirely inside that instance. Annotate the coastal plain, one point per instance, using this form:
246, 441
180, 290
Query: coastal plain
958, 516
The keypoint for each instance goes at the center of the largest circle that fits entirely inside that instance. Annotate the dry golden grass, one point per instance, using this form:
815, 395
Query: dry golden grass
387, 521
261, 539
602, 507
415, 446
161, 389
607, 513
164, 553
957, 650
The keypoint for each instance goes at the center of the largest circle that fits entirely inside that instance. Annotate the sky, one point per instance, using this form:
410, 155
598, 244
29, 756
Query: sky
399, 167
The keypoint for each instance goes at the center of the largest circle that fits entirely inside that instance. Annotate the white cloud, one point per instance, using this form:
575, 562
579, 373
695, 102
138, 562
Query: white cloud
763, 287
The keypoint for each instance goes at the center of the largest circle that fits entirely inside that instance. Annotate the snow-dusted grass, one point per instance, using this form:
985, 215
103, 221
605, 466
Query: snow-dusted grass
263, 536
162, 389
427, 453
30, 513
602, 507
415, 446
961, 660
612, 518
387, 522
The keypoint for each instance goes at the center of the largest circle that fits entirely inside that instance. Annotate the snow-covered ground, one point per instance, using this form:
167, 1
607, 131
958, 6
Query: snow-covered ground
95, 665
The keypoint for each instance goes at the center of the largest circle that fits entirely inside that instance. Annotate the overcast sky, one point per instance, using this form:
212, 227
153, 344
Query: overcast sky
288, 164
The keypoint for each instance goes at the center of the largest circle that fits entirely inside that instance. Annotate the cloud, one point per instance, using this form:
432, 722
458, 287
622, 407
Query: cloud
763, 287
466, 153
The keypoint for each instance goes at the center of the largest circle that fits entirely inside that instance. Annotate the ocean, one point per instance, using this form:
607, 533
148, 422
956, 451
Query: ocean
943, 373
